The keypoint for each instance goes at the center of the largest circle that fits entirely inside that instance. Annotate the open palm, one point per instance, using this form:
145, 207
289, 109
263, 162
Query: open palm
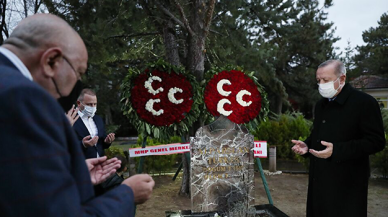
101, 168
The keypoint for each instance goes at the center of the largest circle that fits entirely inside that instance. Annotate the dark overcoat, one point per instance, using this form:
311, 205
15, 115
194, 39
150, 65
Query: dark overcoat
81, 131
338, 185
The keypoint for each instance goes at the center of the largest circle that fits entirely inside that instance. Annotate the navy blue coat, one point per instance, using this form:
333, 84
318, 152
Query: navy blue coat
42, 167
338, 186
81, 131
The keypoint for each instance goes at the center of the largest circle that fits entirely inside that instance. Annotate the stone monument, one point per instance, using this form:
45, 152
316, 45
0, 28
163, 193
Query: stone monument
222, 159
222, 169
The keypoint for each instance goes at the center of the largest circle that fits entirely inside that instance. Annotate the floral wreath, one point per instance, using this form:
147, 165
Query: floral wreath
162, 101
236, 95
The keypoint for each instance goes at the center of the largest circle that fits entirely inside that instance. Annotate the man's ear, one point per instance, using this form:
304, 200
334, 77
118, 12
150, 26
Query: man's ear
50, 61
343, 78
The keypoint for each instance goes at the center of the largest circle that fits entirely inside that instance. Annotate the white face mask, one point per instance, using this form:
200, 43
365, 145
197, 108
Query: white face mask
327, 90
89, 110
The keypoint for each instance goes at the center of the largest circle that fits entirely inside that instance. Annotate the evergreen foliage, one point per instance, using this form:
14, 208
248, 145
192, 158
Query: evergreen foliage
158, 164
372, 57
380, 159
114, 151
281, 130
281, 41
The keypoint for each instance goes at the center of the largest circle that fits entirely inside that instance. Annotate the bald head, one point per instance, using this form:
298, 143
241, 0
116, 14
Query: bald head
51, 50
42, 31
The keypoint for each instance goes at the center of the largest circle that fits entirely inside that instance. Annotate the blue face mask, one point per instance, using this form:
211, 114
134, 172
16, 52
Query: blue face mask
89, 110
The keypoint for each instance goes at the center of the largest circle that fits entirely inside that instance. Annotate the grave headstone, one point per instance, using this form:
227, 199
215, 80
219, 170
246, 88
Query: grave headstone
222, 168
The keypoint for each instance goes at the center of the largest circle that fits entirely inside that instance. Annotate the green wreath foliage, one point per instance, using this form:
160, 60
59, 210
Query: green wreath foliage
263, 115
144, 128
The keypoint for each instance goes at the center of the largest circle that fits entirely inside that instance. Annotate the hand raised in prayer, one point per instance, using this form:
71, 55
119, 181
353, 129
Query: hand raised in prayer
299, 147
101, 168
72, 115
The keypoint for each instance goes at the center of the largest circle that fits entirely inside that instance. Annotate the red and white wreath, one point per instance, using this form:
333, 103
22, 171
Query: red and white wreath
161, 98
234, 95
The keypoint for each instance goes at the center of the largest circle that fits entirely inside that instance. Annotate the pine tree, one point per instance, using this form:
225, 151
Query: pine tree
283, 41
372, 57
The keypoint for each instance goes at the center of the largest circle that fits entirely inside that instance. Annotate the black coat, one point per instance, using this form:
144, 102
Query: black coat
81, 131
338, 186
42, 168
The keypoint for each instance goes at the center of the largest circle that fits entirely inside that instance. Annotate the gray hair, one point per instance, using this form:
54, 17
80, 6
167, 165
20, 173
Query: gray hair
339, 66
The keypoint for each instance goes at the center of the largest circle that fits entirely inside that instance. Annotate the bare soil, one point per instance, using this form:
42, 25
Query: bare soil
288, 191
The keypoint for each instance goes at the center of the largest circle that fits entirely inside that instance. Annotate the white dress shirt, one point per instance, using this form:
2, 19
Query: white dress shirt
17, 62
90, 125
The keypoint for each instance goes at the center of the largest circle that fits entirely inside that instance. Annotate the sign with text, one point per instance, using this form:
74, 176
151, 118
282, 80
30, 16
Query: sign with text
175, 148
260, 149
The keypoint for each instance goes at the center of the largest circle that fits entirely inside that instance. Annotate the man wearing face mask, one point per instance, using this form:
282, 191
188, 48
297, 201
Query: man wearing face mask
42, 167
347, 128
90, 128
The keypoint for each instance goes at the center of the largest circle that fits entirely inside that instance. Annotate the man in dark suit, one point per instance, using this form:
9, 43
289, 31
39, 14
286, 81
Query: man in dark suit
347, 128
90, 127
42, 168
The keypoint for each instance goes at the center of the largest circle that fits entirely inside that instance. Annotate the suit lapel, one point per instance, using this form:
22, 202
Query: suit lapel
79, 124
99, 128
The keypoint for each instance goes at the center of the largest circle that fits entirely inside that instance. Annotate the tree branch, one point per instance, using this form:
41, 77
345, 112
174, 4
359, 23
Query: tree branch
168, 13
150, 14
185, 21
37, 5
209, 14
3, 27
132, 35
214, 31
218, 15
25, 8
51, 7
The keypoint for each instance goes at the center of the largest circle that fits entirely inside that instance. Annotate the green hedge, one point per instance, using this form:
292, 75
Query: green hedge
281, 130
159, 163
278, 131
113, 151
380, 159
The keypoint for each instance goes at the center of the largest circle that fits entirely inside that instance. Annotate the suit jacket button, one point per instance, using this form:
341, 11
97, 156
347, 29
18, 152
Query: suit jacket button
324, 121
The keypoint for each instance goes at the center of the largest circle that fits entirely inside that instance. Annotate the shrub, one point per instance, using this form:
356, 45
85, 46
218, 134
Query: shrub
112, 128
158, 163
113, 151
280, 131
304, 160
380, 159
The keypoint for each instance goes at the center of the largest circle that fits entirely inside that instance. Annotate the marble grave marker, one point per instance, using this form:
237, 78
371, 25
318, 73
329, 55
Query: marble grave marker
222, 168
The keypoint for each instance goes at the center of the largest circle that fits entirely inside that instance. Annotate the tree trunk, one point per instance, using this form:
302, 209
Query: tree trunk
196, 41
278, 104
3, 25
196, 66
196, 57
199, 24
169, 39
108, 116
171, 44
185, 187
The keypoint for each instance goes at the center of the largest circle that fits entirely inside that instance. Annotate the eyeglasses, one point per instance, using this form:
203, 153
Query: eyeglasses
75, 72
